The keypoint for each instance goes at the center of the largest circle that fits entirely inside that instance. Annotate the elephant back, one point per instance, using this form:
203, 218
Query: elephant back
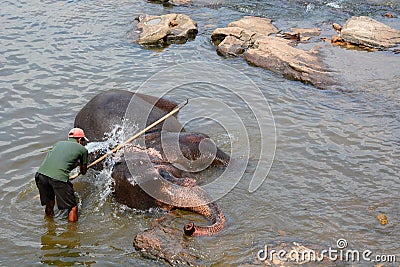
119, 107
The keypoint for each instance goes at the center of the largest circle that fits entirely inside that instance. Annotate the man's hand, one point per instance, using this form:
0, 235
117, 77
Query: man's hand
83, 168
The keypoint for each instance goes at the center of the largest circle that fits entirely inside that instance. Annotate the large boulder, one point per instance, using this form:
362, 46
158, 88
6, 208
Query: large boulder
276, 54
253, 37
369, 32
164, 29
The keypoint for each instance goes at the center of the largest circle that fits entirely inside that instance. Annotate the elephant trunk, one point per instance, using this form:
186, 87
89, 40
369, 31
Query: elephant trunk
211, 211
221, 158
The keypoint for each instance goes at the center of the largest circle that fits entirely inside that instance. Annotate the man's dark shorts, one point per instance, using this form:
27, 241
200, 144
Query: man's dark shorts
50, 188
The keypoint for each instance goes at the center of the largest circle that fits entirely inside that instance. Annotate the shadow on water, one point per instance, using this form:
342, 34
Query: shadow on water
61, 245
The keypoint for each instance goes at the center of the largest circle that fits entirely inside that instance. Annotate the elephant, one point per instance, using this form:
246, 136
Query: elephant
163, 157
110, 108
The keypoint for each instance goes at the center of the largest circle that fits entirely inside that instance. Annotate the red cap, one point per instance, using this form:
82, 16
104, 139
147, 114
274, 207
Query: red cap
76, 133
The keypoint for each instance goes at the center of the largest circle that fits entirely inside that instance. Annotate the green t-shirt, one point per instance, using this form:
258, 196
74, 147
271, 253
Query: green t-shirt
62, 159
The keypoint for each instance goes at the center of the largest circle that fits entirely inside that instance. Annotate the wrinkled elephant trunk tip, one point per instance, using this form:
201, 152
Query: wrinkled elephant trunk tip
189, 229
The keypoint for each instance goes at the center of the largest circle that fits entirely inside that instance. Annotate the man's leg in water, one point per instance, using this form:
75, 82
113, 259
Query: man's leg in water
49, 210
73, 214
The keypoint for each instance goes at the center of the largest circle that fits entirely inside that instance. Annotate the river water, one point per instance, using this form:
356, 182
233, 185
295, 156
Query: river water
337, 159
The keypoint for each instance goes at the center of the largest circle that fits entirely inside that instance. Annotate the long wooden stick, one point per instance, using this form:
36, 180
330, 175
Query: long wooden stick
175, 110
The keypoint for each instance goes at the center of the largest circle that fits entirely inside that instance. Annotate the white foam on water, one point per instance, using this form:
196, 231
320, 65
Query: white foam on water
335, 4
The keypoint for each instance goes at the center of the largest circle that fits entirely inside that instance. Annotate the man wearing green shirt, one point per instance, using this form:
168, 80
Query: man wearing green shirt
52, 178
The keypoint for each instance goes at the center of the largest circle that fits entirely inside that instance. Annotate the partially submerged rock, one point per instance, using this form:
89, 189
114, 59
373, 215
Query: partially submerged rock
241, 34
165, 29
251, 36
382, 218
180, 2
231, 46
369, 32
277, 55
306, 32
232, 40
300, 34
167, 244
258, 25
173, 2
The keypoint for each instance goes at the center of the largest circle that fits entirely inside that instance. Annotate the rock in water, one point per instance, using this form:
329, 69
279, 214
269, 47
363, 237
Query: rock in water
258, 25
277, 55
165, 29
369, 32
167, 244
382, 218
251, 36
172, 2
180, 2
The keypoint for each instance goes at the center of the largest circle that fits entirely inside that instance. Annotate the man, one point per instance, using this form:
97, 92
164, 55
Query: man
52, 178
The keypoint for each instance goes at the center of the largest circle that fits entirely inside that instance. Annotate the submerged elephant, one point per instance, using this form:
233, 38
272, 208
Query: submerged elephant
162, 158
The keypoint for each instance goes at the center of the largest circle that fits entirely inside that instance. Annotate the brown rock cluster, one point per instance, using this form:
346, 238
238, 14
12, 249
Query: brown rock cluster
252, 37
261, 44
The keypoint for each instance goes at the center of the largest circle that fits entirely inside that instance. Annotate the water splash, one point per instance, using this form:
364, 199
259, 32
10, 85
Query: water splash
112, 139
102, 179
